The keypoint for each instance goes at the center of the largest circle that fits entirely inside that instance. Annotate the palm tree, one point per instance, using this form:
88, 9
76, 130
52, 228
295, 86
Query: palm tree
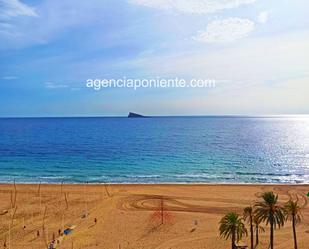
269, 211
293, 213
257, 229
248, 216
232, 226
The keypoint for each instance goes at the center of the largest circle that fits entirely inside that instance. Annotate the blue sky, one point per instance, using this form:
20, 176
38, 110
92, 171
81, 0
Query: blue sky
257, 51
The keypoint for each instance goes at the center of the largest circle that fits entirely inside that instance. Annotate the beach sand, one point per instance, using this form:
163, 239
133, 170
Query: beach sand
129, 216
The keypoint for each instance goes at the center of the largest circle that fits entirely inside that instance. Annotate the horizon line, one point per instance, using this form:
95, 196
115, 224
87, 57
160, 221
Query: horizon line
164, 116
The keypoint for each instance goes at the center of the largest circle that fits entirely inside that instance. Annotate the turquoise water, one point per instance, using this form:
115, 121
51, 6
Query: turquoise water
163, 149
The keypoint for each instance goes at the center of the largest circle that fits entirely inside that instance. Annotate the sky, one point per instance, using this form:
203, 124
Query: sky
257, 51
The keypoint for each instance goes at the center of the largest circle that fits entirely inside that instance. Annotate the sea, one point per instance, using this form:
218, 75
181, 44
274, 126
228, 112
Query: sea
206, 149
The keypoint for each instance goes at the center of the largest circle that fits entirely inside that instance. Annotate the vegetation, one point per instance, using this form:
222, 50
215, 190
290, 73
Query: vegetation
248, 216
232, 227
293, 212
268, 211
258, 229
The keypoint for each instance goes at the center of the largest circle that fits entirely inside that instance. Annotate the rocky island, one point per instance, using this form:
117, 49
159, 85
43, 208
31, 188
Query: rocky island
135, 115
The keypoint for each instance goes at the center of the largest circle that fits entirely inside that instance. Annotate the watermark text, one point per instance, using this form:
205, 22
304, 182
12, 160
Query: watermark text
99, 84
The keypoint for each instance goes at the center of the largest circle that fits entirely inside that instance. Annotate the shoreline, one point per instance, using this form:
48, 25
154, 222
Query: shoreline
156, 184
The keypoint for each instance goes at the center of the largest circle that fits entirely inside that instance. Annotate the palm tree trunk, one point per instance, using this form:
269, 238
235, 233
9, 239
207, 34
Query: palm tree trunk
233, 239
256, 235
271, 234
251, 232
294, 232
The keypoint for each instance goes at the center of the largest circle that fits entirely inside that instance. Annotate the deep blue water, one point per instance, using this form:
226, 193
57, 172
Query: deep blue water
166, 149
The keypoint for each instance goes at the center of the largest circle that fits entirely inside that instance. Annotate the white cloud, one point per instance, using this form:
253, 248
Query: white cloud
192, 6
10, 77
53, 19
263, 17
52, 85
13, 8
285, 57
75, 89
226, 30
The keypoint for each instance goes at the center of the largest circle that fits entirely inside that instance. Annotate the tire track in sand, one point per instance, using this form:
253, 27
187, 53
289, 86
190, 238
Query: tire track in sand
176, 204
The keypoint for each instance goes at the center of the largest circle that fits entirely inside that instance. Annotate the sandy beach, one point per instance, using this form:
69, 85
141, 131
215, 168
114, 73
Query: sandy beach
130, 216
